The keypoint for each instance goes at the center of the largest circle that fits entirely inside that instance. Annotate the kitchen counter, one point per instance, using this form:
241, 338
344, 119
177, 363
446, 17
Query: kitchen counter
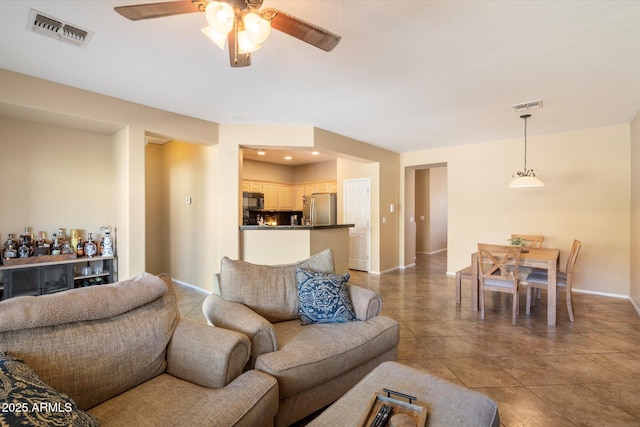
294, 227
286, 244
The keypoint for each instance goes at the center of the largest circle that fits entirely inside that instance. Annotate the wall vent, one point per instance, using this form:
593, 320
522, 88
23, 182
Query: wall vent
525, 106
58, 29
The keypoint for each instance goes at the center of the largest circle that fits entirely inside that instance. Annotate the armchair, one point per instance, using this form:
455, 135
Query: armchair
314, 364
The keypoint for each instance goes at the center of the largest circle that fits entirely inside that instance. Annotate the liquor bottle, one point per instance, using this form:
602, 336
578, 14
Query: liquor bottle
10, 242
55, 248
10, 252
23, 250
80, 248
107, 248
29, 240
90, 247
67, 249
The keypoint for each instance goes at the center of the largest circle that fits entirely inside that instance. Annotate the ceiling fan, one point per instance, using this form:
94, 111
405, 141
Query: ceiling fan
238, 22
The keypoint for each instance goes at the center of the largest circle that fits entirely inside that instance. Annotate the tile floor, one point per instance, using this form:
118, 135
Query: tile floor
574, 374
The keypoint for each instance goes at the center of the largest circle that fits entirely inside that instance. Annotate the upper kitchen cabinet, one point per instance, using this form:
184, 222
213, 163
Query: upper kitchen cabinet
252, 186
298, 194
270, 191
285, 197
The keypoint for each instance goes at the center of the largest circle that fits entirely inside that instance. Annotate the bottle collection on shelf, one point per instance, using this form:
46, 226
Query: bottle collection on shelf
60, 244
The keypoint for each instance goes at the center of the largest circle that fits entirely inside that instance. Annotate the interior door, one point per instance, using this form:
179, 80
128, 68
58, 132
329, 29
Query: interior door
357, 211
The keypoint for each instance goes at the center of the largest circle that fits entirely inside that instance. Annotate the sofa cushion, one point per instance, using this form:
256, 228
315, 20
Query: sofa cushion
250, 401
314, 354
94, 360
270, 291
26, 400
324, 298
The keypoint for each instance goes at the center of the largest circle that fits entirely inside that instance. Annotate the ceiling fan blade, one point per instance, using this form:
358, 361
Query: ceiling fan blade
305, 31
237, 59
137, 12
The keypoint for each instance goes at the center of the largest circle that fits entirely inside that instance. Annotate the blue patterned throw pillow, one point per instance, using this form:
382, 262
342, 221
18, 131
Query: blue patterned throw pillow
324, 298
26, 401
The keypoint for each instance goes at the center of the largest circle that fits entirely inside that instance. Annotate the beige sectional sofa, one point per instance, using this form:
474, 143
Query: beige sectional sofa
123, 354
314, 364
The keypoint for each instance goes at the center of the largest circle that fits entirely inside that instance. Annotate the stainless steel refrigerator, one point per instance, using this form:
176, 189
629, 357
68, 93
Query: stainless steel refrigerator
321, 209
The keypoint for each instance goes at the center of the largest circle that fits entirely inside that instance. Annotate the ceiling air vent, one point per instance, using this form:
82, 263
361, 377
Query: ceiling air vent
531, 105
58, 29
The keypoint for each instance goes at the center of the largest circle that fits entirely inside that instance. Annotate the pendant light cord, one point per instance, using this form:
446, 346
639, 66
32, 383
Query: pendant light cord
525, 117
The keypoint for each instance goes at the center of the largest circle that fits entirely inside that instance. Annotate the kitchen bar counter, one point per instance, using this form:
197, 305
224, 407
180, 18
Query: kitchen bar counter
285, 244
294, 227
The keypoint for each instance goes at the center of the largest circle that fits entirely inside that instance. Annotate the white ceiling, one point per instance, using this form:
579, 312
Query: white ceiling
407, 75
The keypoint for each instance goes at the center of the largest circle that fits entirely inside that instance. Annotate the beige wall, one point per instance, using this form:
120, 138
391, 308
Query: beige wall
409, 225
180, 235
586, 196
124, 124
264, 171
54, 177
438, 201
321, 171
383, 171
635, 212
431, 204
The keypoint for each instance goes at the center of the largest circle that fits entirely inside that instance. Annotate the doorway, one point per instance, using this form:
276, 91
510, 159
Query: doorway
426, 200
357, 211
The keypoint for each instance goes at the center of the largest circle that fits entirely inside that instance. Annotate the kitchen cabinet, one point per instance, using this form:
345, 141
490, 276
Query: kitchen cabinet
252, 186
270, 191
321, 187
298, 194
285, 197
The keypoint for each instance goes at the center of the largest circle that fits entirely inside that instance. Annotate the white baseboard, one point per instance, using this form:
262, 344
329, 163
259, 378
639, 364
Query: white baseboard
633, 303
402, 267
602, 294
194, 287
434, 252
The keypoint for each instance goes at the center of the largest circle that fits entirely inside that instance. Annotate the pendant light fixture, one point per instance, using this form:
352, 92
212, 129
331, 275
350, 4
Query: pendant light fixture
525, 177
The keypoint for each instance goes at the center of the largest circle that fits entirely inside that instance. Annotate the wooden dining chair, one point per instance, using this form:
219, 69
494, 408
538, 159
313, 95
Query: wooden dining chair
540, 280
493, 274
530, 241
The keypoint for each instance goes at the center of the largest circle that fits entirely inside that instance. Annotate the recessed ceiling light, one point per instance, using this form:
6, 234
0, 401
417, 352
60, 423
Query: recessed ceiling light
261, 153
315, 153
288, 157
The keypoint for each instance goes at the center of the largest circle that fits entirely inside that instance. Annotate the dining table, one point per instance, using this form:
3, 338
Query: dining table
544, 258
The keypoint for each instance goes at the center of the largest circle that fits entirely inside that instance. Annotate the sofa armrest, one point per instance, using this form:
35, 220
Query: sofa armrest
366, 303
240, 318
205, 355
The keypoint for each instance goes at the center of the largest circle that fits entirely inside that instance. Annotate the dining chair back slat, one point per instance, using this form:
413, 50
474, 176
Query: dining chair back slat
493, 274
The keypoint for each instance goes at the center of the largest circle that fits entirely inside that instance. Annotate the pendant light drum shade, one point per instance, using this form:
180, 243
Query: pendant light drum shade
526, 181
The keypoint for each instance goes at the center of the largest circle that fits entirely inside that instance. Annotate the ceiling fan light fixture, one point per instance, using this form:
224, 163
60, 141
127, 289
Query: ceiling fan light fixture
220, 16
216, 37
245, 45
258, 29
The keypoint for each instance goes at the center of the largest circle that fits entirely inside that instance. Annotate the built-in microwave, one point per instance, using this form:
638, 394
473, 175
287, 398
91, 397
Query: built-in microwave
252, 201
